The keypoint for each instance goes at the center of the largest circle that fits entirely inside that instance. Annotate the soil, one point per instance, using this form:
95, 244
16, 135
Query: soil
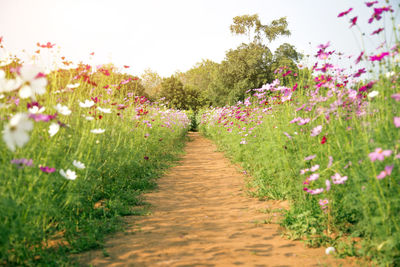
201, 215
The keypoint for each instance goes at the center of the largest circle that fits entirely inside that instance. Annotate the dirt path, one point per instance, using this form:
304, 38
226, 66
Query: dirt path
201, 216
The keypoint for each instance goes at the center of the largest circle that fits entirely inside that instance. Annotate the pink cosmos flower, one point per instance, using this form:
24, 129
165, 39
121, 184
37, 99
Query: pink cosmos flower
295, 120
313, 177
316, 131
22, 162
323, 203
314, 168
367, 86
304, 171
42, 117
353, 21
377, 15
377, 31
396, 97
337, 179
397, 156
315, 191
359, 58
288, 135
303, 121
324, 46
47, 169
359, 73
328, 185
309, 157
378, 57
330, 162
345, 12
396, 121
387, 171
379, 154
369, 4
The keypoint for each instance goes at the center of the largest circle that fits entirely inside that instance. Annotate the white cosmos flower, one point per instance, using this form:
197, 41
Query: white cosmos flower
89, 118
53, 129
86, 104
104, 110
78, 164
36, 110
15, 133
64, 110
70, 175
72, 86
373, 94
98, 131
8, 85
33, 82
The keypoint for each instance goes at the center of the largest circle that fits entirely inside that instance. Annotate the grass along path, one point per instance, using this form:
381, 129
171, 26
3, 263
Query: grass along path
201, 216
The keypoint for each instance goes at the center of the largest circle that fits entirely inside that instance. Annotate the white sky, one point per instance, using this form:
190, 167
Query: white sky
170, 35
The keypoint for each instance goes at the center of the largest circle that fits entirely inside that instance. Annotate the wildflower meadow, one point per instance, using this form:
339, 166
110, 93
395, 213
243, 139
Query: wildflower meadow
327, 140
78, 147
81, 143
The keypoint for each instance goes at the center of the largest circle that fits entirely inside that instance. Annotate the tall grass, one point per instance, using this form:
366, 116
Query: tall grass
330, 145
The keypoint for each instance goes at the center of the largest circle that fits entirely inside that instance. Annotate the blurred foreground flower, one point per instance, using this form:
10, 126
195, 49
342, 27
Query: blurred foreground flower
53, 129
15, 133
34, 82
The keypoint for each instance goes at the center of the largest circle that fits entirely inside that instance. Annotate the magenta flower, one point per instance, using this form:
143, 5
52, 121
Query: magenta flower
379, 154
316, 131
377, 15
22, 162
47, 169
359, 58
377, 31
337, 179
359, 73
345, 12
324, 46
309, 157
396, 121
42, 117
328, 185
369, 4
378, 57
353, 21
387, 171
367, 86
396, 97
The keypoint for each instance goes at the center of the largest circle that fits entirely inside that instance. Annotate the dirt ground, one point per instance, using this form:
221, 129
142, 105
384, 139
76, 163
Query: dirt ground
200, 215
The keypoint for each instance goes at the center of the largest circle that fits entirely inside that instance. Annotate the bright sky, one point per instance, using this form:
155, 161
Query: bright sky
171, 35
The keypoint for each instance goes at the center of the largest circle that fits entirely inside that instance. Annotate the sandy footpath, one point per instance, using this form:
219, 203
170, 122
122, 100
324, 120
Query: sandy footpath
200, 216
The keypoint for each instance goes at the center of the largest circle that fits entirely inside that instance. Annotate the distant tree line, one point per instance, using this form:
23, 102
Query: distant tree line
248, 66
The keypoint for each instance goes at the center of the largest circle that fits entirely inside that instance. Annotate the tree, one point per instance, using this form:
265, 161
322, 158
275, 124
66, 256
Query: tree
151, 82
247, 67
251, 25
